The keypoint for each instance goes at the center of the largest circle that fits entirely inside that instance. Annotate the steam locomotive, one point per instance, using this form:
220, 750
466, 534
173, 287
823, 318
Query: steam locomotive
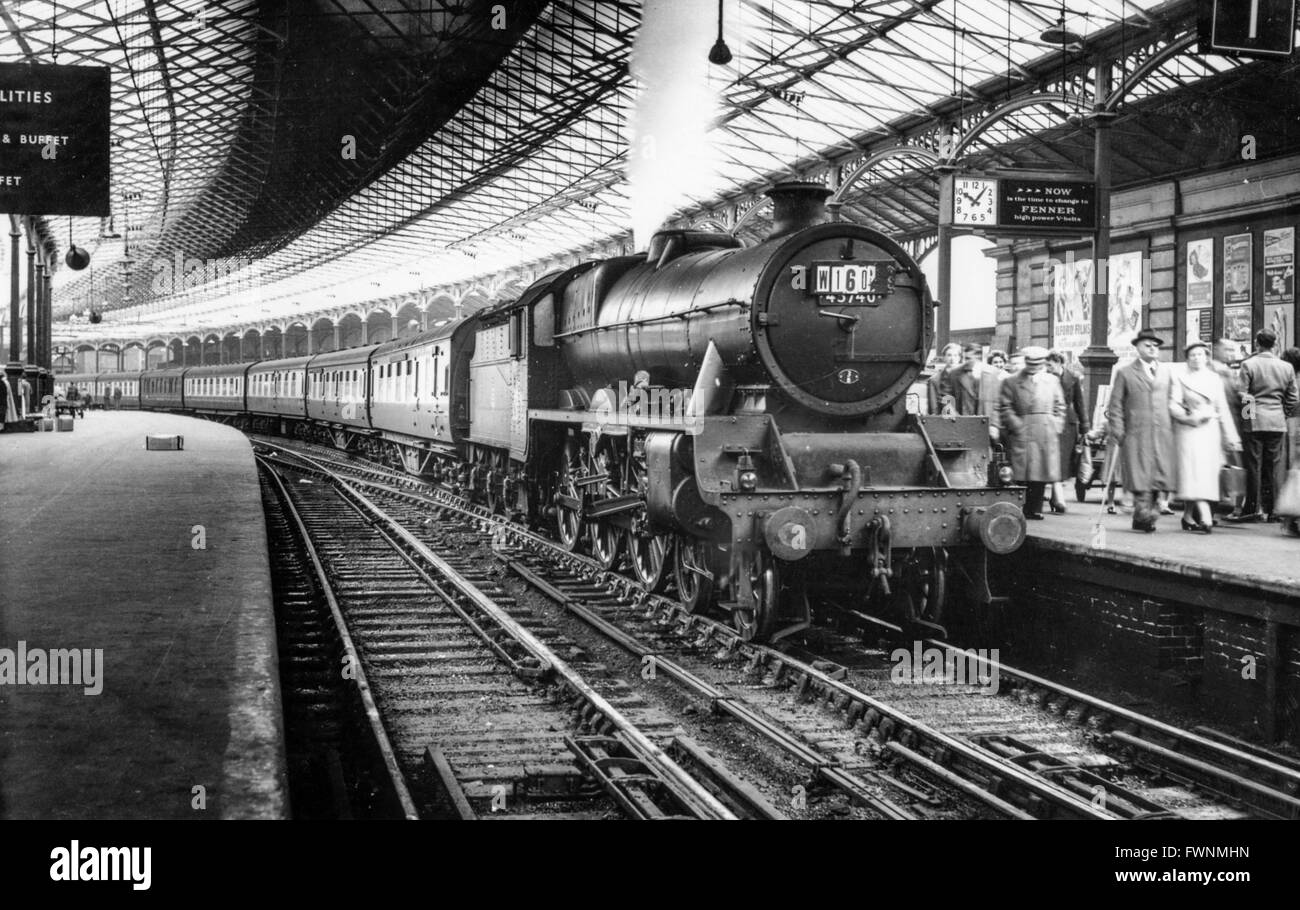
728, 418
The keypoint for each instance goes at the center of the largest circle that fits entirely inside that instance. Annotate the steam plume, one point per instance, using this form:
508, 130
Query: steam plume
671, 156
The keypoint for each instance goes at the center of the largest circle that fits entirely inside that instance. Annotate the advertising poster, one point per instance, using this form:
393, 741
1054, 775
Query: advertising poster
1237, 327
1200, 325
1071, 305
1279, 266
1280, 318
1236, 270
1126, 295
1200, 274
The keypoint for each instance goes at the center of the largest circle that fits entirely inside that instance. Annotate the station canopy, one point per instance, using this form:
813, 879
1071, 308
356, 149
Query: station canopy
279, 158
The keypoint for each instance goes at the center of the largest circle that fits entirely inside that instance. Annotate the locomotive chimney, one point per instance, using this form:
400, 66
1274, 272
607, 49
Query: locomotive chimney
797, 204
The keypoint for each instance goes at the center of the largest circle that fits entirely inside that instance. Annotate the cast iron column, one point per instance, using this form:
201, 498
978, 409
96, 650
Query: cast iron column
14, 369
36, 307
32, 330
15, 320
1098, 359
943, 298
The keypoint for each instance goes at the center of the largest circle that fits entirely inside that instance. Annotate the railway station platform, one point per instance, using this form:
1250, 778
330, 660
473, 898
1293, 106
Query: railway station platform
154, 564
1261, 555
1207, 621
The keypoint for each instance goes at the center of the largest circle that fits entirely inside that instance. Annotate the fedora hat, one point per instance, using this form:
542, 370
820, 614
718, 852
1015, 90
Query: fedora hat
1148, 335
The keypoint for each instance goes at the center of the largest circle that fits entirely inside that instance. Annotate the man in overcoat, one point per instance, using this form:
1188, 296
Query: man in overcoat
1268, 385
1076, 419
976, 387
1139, 422
1031, 410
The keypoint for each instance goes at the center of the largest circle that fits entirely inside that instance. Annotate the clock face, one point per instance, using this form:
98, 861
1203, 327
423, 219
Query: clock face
974, 201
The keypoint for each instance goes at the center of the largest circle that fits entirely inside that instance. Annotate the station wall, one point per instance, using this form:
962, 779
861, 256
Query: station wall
1229, 215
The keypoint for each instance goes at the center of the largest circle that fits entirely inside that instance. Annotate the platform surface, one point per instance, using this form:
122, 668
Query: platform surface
97, 551
1262, 555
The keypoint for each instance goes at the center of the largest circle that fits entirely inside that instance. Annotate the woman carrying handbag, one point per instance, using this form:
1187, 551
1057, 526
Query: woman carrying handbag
1203, 431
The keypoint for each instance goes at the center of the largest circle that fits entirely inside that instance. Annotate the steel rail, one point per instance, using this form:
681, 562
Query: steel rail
1270, 786
374, 719
694, 796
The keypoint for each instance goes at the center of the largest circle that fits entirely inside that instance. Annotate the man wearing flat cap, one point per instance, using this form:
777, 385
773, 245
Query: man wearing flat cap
1139, 423
1031, 410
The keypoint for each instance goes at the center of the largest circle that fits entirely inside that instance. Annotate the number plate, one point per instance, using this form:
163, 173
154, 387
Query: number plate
859, 283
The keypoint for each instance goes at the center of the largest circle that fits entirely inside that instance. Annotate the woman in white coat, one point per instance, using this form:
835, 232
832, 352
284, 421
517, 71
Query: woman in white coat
1203, 431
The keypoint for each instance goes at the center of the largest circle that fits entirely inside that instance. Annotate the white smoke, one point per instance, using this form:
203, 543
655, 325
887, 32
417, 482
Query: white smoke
676, 99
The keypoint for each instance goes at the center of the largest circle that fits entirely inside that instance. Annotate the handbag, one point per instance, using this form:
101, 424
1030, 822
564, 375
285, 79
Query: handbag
1083, 452
1288, 498
1232, 483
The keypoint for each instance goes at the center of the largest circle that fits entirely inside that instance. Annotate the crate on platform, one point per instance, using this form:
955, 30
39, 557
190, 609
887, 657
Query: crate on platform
164, 443
64, 423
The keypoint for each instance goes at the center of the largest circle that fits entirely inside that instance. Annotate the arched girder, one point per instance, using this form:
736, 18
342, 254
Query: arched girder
511, 286
1147, 67
898, 151
409, 318
749, 215
477, 290
1005, 110
710, 224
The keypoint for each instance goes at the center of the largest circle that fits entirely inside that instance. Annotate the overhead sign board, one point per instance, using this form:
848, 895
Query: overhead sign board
1247, 28
1027, 204
1052, 204
54, 139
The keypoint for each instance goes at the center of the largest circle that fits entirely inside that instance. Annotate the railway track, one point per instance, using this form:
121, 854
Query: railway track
832, 705
470, 711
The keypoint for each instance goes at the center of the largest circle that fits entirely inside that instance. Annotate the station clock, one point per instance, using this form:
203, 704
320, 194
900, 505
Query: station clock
975, 201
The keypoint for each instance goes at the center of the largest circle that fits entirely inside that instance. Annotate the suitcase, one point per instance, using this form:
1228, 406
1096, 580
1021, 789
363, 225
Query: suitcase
164, 443
64, 424
47, 425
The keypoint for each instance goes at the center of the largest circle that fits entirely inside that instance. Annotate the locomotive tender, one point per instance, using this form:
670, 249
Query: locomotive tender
729, 417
